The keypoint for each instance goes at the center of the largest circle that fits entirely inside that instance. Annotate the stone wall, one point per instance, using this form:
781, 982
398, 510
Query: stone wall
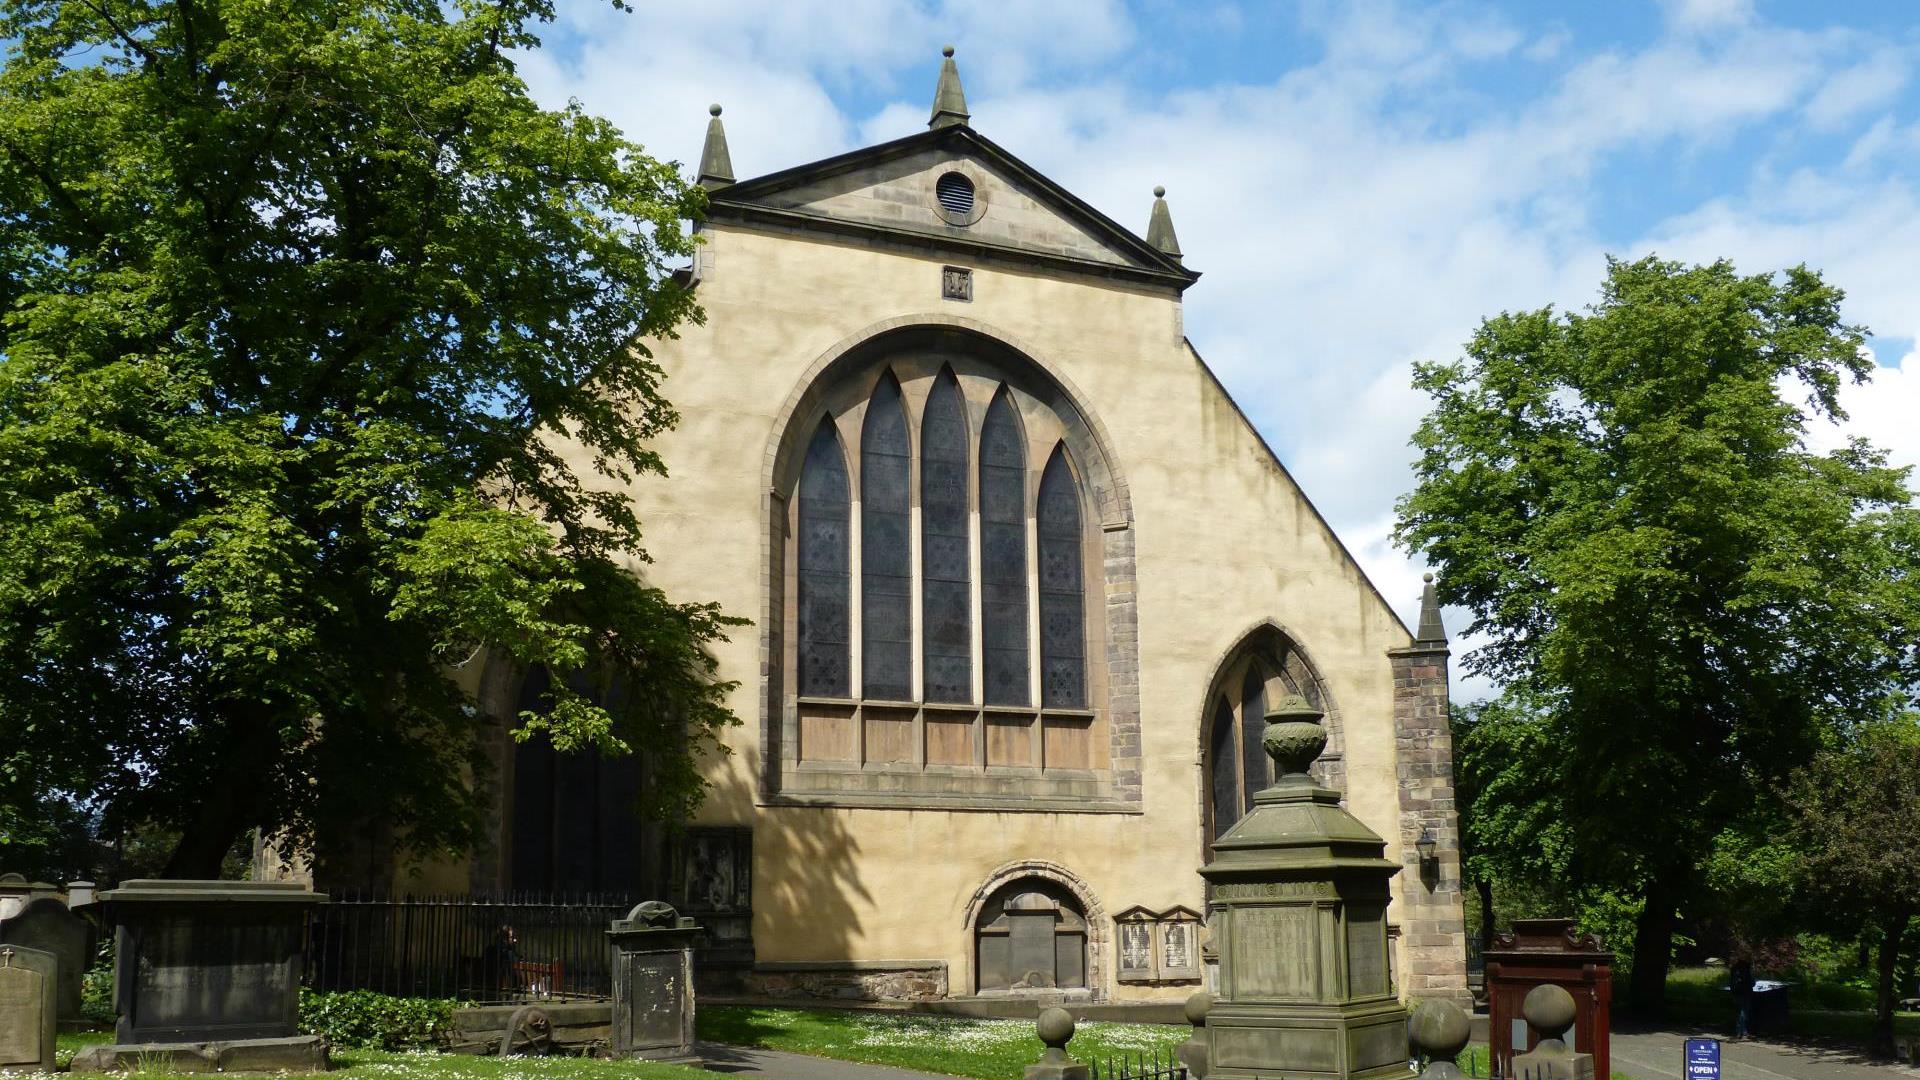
1432, 920
851, 980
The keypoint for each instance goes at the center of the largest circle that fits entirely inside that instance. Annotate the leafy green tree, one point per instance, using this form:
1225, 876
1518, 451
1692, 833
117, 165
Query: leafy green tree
1856, 811
1625, 501
319, 375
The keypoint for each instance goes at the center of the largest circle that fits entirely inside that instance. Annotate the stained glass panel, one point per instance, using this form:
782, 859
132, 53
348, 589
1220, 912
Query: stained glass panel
946, 617
886, 570
1063, 640
1003, 554
1223, 769
825, 584
1253, 728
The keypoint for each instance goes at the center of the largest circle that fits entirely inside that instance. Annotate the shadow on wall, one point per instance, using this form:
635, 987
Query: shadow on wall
807, 895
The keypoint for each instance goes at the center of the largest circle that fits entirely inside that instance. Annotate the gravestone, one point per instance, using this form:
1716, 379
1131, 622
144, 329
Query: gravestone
1299, 894
207, 975
27, 1009
653, 983
43, 922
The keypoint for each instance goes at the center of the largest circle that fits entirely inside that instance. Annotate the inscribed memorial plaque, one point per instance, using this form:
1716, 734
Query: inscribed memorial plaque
1273, 952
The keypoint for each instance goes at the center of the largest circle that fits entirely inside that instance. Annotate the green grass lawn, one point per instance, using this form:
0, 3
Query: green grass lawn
987, 1049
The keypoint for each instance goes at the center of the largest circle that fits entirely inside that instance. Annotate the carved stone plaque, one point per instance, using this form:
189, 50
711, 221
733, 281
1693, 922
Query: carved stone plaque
956, 283
1274, 952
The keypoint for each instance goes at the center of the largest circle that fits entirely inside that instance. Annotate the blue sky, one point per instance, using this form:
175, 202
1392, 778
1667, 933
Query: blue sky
1360, 182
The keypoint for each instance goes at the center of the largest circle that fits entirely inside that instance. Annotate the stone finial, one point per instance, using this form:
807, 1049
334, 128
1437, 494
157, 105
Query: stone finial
1055, 1028
1432, 630
1550, 1010
1193, 1052
1438, 1030
949, 101
716, 165
1160, 226
1294, 737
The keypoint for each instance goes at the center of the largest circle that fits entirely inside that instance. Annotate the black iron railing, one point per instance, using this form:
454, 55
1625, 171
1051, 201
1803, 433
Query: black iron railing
1139, 1065
486, 949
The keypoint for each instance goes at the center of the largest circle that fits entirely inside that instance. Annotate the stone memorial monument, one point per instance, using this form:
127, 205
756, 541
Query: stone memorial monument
1299, 897
28, 986
34, 917
653, 983
207, 975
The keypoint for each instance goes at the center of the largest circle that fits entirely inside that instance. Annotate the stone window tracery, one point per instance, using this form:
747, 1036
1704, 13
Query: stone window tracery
943, 590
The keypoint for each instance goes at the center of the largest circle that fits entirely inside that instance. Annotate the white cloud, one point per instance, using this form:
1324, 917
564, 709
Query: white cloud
1860, 88
1695, 15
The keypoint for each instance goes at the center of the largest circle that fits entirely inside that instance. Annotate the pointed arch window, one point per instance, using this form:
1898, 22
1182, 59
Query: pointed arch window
1063, 639
938, 613
1003, 553
886, 562
946, 589
1253, 728
825, 569
1223, 770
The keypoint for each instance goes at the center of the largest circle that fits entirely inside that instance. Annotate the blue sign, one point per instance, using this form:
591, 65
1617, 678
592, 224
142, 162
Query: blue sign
1703, 1059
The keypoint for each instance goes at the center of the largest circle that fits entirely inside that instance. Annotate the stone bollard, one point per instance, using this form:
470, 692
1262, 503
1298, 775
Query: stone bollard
1549, 1010
1055, 1028
1193, 1052
1438, 1030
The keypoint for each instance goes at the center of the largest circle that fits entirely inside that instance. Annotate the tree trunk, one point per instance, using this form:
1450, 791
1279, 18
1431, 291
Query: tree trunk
1894, 928
1485, 889
235, 792
1652, 950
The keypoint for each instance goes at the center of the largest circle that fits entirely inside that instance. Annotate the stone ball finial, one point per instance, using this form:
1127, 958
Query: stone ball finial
1294, 737
713, 109
1159, 191
1199, 1003
946, 51
1438, 1029
1055, 1028
1549, 1009
1427, 577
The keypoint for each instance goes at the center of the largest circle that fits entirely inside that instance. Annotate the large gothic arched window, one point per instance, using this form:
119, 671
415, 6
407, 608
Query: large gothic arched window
1262, 669
943, 591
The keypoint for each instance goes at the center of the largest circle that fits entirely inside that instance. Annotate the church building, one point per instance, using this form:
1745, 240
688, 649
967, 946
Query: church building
1023, 581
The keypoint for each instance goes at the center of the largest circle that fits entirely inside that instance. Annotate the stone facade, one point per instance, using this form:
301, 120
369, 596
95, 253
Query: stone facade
872, 862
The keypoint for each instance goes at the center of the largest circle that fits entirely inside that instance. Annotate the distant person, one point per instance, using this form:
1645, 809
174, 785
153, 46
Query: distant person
1740, 981
498, 964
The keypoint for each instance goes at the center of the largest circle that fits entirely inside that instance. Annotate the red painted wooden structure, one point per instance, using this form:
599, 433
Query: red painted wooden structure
1540, 951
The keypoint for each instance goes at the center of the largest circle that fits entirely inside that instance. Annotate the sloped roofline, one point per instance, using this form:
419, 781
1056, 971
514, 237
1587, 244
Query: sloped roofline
742, 201
1304, 497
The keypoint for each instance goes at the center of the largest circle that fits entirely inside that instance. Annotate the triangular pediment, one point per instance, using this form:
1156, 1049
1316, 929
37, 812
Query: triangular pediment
893, 189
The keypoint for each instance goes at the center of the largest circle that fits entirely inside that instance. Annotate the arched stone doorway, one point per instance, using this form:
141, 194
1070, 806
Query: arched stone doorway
1034, 927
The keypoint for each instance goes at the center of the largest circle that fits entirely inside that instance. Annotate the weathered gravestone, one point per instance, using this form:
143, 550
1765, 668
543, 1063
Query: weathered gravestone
1300, 923
653, 983
41, 921
207, 976
27, 1008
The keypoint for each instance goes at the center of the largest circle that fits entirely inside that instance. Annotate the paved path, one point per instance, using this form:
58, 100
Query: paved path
1655, 1055
775, 1065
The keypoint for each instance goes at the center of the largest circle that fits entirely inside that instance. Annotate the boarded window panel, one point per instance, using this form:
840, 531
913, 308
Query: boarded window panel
886, 569
1003, 554
946, 617
1223, 767
1253, 728
1063, 639
825, 573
